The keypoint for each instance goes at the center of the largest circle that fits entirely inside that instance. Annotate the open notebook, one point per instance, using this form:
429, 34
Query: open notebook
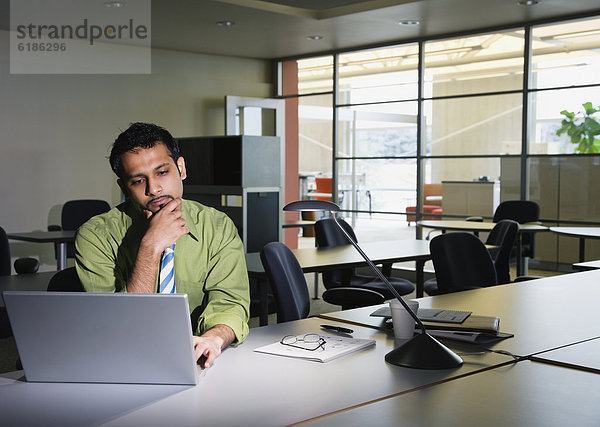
332, 348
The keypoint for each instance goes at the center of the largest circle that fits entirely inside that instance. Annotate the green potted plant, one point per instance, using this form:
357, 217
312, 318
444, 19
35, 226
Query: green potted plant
583, 128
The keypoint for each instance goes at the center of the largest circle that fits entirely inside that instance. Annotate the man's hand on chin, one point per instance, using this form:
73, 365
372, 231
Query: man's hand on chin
165, 226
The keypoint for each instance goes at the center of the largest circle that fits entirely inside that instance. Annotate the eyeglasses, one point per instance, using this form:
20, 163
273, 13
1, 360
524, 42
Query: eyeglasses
310, 342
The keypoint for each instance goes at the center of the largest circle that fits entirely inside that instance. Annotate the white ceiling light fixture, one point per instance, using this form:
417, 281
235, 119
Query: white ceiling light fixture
408, 22
115, 4
315, 37
527, 2
226, 23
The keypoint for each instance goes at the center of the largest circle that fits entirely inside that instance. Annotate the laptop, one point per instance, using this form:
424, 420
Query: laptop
103, 337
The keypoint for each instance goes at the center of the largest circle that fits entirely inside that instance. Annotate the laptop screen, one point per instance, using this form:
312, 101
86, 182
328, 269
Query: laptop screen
103, 337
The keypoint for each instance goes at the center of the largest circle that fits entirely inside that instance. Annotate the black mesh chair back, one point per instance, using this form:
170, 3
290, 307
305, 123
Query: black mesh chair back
287, 282
76, 212
521, 211
461, 261
5, 269
65, 280
22, 265
328, 234
503, 235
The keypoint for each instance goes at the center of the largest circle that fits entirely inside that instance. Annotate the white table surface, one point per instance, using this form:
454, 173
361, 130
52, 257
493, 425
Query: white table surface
242, 388
539, 312
24, 282
523, 394
586, 232
584, 355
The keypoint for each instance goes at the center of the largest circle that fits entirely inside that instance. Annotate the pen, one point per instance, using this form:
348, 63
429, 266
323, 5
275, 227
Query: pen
337, 329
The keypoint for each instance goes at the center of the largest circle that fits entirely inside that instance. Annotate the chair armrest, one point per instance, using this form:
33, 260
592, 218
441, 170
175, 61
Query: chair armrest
26, 265
526, 278
352, 297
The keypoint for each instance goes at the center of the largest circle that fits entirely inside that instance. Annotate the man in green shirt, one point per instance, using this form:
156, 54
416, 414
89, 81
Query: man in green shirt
121, 250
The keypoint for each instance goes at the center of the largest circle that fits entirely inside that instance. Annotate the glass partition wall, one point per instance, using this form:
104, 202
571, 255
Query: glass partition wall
386, 122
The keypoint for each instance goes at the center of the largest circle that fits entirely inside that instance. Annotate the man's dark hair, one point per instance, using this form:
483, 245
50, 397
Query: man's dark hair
141, 135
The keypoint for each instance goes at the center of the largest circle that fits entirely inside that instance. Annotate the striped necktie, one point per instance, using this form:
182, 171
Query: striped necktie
167, 272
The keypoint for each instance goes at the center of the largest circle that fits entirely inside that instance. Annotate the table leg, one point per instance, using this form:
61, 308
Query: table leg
263, 295
316, 287
419, 267
581, 249
61, 257
522, 264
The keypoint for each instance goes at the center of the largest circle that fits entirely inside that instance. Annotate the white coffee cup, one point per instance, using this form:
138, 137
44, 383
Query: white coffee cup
404, 324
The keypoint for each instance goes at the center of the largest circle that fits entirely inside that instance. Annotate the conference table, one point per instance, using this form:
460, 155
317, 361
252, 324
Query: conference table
477, 226
244, 387
587, 265
61, 238
582, 233
522, 394
582, 356
322, 259
534, 310
300, 223
24, 282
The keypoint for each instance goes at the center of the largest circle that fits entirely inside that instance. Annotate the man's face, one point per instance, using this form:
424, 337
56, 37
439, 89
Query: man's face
151, 178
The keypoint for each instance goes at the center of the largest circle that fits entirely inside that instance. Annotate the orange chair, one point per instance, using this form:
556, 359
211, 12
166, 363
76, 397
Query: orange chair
430, 206
323, 186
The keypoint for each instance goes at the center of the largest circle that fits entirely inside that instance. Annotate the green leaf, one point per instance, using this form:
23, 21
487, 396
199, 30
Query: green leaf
575, 133
568, 114
589, 109
592, 125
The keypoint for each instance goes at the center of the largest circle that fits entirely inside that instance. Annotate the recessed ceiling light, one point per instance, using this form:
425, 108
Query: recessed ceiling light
409, 22
225, 23
315, 37
527, 2
114, 4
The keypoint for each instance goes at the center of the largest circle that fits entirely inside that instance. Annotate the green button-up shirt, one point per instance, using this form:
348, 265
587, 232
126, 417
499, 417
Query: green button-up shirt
209, 262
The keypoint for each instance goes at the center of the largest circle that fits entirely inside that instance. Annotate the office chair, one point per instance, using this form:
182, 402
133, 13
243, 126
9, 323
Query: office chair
5, 269
22, 266
521, 211
329, 235
291, 291
74, 214
461, 262
352, 297
502, 235
65, 280
287, 282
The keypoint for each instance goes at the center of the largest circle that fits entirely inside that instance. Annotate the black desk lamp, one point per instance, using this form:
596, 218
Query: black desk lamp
422, 351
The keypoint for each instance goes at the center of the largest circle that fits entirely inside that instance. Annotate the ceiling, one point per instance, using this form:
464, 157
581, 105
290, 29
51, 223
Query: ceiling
280, 28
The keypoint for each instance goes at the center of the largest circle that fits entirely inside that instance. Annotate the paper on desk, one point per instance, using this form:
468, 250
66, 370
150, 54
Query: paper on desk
334, 347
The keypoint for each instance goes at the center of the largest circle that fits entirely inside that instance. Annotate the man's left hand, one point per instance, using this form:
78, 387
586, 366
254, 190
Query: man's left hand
210, 343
